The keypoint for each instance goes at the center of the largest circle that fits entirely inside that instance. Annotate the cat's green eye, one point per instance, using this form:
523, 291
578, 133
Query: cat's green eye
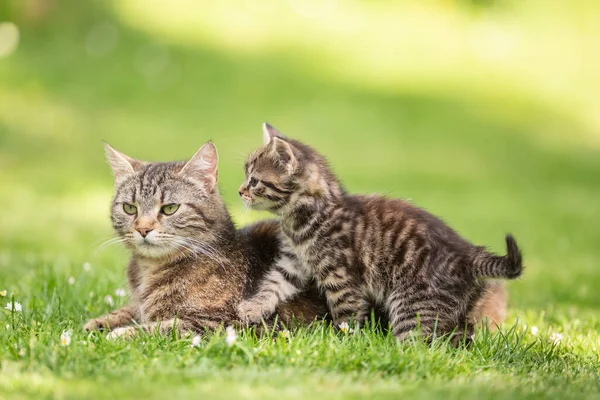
169, 209
129, 208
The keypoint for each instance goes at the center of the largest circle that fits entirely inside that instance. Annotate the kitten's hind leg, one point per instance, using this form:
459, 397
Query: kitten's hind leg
348, 305
413, 311
463, 336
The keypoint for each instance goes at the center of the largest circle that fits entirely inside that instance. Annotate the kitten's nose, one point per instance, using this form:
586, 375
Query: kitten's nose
242, 191
144, 231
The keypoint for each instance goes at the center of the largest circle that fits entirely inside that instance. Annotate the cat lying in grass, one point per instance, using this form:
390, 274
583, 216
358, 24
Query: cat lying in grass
190, 266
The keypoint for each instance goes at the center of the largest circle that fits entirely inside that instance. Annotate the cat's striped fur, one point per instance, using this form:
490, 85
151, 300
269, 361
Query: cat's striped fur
365, 249
189, 270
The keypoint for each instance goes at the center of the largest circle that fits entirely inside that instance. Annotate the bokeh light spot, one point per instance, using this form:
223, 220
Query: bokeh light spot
9, 38
101, 39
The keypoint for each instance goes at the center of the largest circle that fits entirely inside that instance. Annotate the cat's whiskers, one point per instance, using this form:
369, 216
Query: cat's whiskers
245, 208
206, 245
180, 248
196, 246
110, 242
99, 242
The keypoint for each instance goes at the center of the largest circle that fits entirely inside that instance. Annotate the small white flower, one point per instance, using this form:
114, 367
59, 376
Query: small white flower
534, 330
285, 333
22, 352
231, 337
71, 280
83, 342
109, 300
345, 327
65, 338
121, 292
87, 266
556, 338
3, 293
14, 305
196, 341
298, 352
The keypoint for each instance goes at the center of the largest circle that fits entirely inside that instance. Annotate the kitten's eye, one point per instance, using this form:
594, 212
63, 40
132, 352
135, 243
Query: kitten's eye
253, 182
129, 208
169, 209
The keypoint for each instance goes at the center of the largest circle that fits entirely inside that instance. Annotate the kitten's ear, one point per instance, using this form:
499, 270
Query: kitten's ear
203, 166
122, 165
269, 132
282, 151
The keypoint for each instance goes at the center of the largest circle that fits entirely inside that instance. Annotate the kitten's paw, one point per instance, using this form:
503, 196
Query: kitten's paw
123, 332
250, 311
95, 324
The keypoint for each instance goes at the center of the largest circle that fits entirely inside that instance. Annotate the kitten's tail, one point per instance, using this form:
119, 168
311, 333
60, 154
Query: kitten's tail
490, 265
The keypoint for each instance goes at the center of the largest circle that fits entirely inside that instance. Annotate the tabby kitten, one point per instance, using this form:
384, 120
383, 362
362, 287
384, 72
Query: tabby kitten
190, 266
365, 249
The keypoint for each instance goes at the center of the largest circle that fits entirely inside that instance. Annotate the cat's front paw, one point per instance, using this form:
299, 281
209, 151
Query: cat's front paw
121, 333
95, 324
251, 311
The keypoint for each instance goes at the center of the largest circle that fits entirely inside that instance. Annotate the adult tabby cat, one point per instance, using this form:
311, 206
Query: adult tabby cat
365, 249
190, 266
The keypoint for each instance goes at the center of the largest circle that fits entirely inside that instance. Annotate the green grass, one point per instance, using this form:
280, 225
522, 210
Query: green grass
492, 147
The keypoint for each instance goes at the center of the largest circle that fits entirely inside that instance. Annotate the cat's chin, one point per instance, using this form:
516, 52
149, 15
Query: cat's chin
153, 251
258, 205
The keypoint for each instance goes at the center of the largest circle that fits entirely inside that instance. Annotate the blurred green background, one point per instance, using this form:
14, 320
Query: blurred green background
483, 112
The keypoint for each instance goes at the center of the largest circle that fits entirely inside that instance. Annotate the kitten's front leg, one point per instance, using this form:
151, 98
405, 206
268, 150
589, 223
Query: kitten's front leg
344, 292
117, 318
282, 283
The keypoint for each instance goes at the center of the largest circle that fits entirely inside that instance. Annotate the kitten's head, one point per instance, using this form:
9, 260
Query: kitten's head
164, 210
284, 172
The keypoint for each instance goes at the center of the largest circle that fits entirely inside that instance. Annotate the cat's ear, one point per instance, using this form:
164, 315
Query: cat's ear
282, 151
203, 166
122, 165
269, 132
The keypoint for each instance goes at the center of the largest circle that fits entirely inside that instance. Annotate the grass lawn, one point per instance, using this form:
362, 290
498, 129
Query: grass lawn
508, 145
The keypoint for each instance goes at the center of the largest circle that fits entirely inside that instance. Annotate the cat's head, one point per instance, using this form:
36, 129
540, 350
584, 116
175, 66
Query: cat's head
164, 210
283, 172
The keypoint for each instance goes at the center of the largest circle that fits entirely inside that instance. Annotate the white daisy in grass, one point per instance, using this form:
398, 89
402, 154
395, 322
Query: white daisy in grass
22, 352
534, 330
285, 333
231, 337
345, 327
196, 341
3, 293
65, 338
71, 280
14, 305
120, 292
556, 338
87, 266
108, 299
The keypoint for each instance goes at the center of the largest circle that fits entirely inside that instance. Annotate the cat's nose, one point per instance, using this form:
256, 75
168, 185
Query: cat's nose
243, 191
144, 231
